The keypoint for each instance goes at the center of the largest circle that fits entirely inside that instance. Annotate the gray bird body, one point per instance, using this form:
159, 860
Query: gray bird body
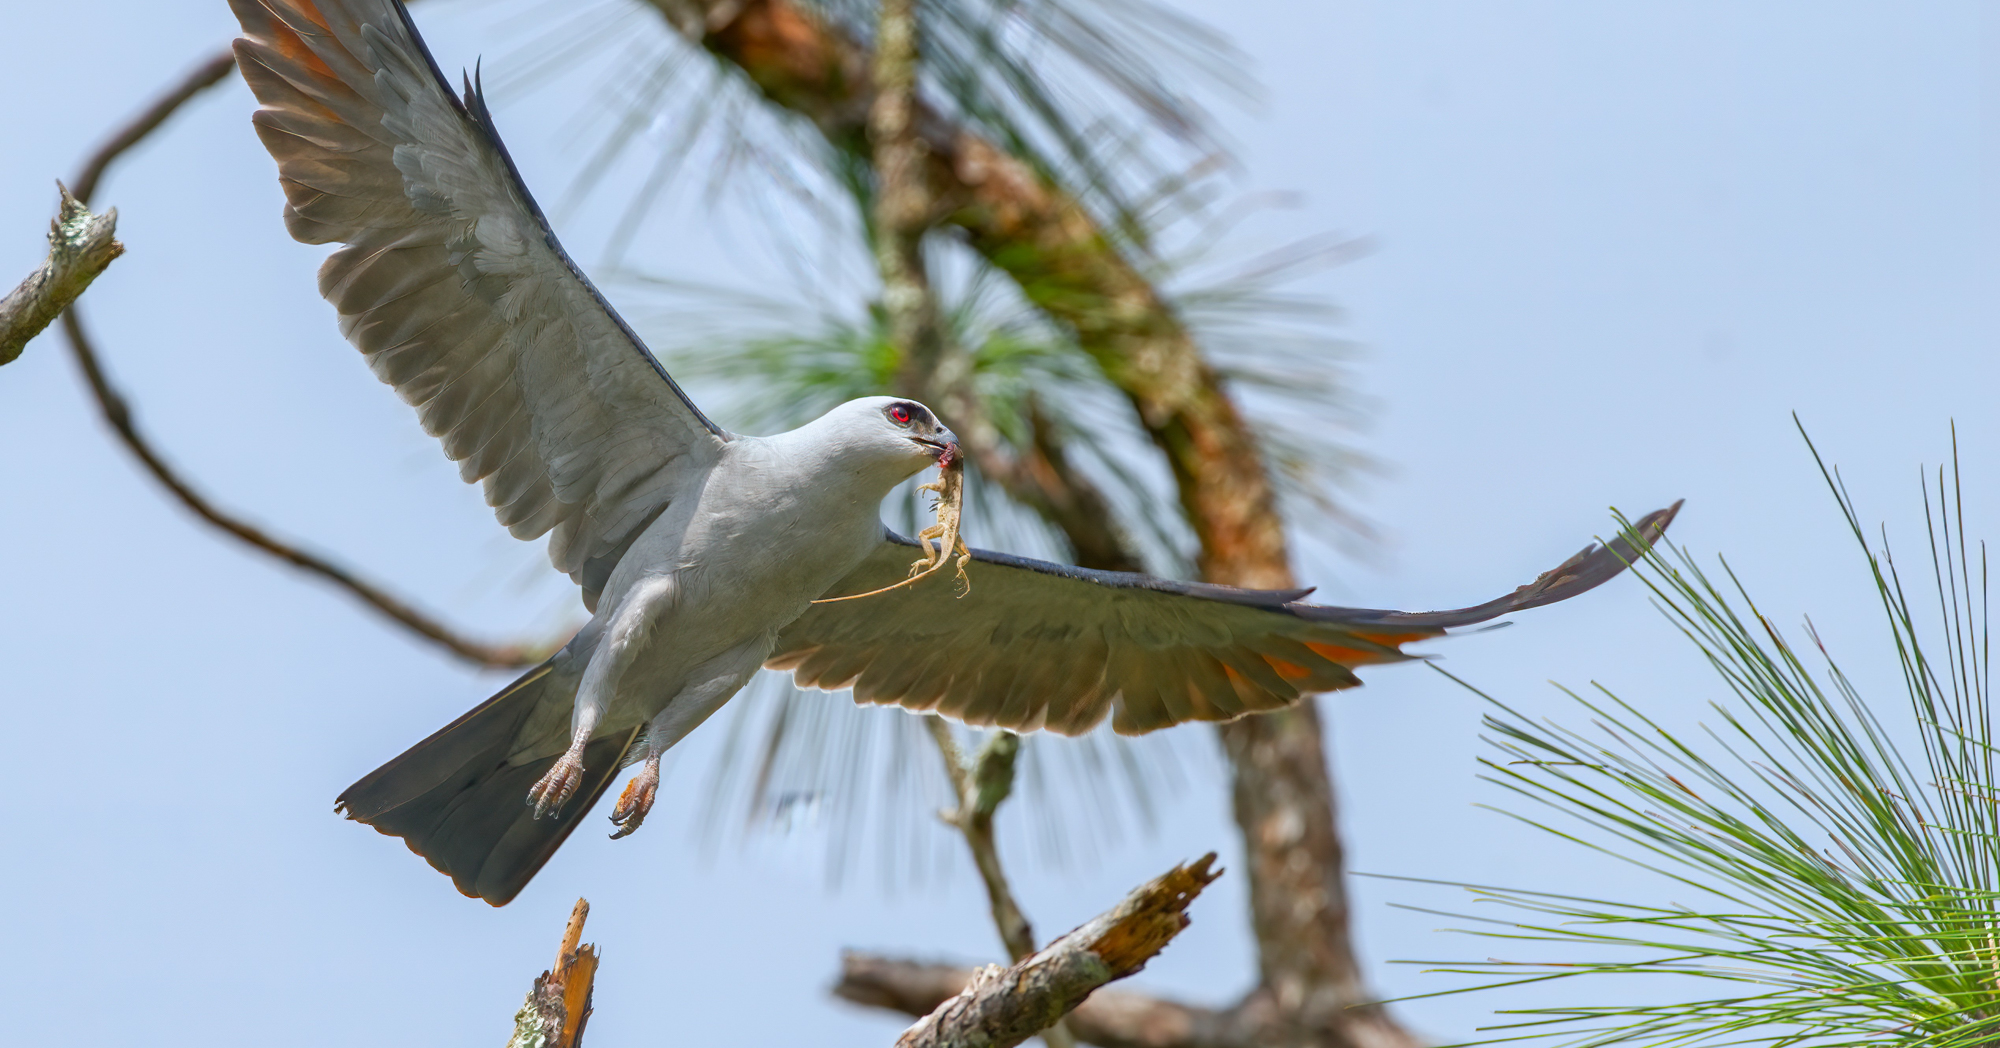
689, 613
699, 553
694, 607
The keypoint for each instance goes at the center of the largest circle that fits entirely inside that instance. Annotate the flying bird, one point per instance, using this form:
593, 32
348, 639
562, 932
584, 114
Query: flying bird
699, 553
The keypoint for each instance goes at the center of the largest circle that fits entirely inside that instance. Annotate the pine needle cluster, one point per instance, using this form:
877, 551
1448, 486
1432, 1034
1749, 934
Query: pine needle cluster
1844, 850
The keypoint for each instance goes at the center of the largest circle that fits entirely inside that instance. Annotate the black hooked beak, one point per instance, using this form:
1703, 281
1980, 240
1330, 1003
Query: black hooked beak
944, 445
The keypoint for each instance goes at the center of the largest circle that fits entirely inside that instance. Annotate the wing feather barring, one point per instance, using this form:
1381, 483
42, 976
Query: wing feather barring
701, 554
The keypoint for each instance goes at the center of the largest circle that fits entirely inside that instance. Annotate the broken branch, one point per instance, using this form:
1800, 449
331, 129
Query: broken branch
557, 1008
1109, 1018
1001, 1007
80, 246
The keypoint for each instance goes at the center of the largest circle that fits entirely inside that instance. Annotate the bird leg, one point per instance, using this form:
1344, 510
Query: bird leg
725, 676
637, 800
554, 789
626, 635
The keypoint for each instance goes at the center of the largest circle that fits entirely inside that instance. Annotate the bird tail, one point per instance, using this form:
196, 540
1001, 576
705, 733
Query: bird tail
456, 801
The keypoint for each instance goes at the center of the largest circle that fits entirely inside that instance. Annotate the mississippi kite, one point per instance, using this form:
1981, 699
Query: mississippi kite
699, 552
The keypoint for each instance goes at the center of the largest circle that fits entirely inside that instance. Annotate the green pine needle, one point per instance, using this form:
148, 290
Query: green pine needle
1849, 869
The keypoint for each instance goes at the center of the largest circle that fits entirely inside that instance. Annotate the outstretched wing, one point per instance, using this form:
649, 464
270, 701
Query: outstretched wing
454, 286
1038, 645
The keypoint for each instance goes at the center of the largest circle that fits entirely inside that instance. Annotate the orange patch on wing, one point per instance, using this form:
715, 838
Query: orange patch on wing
311, 11
293, 46
1288, 670
1395, 639
1348, 656
289, 43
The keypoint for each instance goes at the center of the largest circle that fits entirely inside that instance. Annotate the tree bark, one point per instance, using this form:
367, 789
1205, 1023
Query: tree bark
998, 1008
558, 1006
1109, 1018
1308, 978
80, 246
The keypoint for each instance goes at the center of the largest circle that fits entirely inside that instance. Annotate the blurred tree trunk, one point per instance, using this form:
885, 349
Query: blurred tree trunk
1309, 983
1310, 986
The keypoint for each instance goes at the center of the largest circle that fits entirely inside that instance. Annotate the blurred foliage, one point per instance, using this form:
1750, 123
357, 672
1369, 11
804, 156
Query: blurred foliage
870, 782
1848, 867
868, 777
772, 367
1108, 99
1104, 97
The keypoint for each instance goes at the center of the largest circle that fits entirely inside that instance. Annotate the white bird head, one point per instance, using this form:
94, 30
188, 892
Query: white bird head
902, 437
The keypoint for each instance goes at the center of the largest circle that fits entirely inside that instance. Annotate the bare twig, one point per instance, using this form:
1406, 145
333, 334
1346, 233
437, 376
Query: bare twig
80, 246
980, 789
1000, 1007
118, 413
557, 1008
199, 79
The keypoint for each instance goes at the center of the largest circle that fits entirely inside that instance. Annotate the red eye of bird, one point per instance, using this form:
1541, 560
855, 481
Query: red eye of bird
901, 414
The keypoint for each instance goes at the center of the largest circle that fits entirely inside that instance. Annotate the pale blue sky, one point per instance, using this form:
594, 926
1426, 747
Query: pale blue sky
1616, 246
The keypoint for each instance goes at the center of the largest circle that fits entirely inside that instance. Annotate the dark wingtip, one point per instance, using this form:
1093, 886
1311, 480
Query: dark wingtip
1592, 567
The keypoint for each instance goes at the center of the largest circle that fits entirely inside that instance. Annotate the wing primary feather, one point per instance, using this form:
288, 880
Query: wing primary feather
451, 279
1042, 645
483, 118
